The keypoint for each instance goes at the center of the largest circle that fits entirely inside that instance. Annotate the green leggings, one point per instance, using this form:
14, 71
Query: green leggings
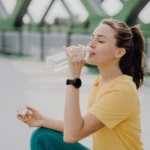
47, 139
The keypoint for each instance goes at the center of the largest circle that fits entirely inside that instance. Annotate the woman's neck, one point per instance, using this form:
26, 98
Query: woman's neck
109, 73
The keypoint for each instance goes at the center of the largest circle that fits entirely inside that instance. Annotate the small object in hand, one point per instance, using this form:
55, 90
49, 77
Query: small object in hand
23, 111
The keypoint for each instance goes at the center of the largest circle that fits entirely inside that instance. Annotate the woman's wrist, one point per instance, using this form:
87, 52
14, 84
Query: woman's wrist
71, 75
44, 121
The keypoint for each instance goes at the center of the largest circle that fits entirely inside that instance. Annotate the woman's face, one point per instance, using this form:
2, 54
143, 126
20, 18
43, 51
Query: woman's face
103, 46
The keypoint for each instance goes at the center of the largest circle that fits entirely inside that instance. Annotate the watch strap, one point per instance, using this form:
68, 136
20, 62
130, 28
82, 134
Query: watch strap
68, 81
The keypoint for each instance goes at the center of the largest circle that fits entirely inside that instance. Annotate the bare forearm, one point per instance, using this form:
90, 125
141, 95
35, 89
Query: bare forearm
57, 125
73, 120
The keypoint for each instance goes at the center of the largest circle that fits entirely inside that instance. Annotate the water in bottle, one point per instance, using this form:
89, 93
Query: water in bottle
59, 61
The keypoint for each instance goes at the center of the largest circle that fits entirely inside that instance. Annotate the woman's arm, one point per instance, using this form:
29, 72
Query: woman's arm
77, 127
73, 120
53, 124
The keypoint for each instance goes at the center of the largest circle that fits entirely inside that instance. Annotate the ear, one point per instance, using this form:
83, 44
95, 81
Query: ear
120, 52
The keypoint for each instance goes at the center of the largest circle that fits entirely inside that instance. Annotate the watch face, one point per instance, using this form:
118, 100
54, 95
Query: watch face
77, 82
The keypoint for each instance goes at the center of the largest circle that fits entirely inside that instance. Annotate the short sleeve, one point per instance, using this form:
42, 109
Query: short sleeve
113, 108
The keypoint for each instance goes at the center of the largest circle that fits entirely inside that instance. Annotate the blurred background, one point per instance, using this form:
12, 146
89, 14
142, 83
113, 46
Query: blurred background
31, 30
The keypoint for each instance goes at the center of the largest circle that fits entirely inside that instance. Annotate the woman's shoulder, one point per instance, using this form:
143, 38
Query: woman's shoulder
125, 84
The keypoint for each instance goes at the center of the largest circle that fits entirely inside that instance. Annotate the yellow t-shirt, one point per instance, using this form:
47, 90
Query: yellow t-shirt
116, 104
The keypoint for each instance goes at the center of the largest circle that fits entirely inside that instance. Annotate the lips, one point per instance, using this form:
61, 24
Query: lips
92, 53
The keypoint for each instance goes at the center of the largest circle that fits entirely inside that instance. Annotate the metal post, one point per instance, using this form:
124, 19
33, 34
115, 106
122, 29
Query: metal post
68, 42
3, 41
20, 43
42, 44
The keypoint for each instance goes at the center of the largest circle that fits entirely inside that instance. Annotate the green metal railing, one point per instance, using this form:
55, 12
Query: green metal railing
42, 31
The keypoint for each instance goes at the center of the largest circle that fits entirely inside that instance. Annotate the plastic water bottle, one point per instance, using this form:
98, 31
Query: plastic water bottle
59, 61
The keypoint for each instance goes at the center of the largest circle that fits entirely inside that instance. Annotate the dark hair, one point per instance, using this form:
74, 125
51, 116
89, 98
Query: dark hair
133, 42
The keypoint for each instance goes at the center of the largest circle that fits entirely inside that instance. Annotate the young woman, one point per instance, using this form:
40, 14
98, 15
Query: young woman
113, 116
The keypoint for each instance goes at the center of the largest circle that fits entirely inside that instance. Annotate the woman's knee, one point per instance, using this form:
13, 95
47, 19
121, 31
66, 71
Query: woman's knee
37, 137
39, 132
40, 135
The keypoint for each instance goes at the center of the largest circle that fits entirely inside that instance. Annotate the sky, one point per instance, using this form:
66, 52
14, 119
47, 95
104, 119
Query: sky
37, 8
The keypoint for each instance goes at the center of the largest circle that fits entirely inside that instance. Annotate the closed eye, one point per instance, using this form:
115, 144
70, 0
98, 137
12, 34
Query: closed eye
101, 41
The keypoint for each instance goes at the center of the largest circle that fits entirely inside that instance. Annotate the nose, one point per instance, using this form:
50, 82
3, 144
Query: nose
91, 44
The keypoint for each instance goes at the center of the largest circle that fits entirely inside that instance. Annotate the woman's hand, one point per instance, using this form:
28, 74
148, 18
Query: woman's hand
75, 57
32, 117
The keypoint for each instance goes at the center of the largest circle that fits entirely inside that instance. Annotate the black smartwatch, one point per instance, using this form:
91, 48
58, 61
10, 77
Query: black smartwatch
75, 82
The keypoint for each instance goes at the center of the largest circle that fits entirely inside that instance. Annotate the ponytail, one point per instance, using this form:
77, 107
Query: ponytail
137, 70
